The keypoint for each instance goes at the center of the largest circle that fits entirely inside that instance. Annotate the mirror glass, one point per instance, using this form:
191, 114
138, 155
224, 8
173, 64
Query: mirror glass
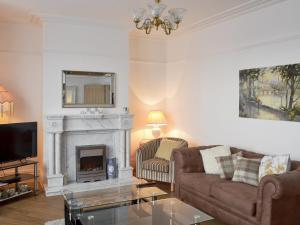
88, 89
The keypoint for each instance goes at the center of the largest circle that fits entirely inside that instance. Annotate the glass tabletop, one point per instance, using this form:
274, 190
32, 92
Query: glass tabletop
162, 212
109, 197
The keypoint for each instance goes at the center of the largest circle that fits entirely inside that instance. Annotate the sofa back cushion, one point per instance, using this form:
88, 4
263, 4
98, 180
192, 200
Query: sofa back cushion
295, 165
247, 154
196, 162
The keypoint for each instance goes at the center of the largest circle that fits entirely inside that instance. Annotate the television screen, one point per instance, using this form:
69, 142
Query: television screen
18, 141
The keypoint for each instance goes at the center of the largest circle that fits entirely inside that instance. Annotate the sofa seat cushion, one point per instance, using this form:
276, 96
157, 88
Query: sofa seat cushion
156, 164
199, 182
240, 196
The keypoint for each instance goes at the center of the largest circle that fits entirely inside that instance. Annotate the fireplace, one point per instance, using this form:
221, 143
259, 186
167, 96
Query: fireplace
90, 163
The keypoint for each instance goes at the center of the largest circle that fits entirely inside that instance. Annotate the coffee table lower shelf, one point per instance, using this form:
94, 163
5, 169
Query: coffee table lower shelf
161, 212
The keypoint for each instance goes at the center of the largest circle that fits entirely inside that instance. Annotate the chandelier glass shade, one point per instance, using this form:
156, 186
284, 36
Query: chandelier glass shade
155, 20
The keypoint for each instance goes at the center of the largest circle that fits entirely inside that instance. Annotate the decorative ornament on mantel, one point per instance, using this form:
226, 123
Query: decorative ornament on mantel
168, 23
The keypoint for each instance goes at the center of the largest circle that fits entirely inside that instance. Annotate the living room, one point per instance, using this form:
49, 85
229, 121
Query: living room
228, 76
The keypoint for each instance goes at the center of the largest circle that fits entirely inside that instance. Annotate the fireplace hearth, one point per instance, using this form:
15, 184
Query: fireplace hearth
90, 163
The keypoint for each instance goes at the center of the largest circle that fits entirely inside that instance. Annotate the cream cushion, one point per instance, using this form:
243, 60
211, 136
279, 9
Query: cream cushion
274, 165
209, 158
166, 147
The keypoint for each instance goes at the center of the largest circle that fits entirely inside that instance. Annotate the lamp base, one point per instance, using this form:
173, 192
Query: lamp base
156, 132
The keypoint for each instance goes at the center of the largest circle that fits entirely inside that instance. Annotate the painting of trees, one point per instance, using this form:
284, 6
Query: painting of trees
271, 93
250, 76
290, 75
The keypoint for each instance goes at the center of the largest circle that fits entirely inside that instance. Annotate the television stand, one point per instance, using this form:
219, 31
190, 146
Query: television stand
17, 177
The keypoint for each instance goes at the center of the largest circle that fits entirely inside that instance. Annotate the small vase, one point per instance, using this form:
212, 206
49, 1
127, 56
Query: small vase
111, 168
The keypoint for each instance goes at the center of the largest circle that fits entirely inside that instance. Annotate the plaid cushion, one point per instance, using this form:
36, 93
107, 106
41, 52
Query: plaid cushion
246, 171
227, 164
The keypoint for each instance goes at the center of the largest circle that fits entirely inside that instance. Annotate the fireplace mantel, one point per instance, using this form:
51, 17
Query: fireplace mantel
62, 131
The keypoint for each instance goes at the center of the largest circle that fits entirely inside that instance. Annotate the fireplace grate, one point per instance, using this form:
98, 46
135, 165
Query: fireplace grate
91, 163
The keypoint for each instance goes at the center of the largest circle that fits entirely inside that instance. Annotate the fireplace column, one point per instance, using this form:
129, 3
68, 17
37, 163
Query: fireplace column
54, 153
54, 131
123, 150
128, 141
125, 171
51, 156
58, 153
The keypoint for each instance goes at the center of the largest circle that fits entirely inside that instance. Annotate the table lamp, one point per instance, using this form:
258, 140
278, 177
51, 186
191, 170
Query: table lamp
156, 119
6, 103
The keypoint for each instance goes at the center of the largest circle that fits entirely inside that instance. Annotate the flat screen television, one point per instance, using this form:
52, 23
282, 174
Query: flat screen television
18, 141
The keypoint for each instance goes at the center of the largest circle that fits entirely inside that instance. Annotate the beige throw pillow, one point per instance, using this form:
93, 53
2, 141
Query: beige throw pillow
166, 147
274, 165
209, 158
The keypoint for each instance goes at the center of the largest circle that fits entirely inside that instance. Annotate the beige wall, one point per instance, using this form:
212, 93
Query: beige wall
21, 72
203, 79
200, 71
147, 73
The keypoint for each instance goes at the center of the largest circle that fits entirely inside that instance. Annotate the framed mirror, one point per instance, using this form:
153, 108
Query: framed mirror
88, 89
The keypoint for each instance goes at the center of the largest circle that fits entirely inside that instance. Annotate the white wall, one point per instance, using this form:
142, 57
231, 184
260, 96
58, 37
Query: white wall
21, 71
147, 88
203, 79
83, 47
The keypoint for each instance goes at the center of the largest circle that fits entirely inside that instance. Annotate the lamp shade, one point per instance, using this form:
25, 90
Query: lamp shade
5, 96
156, 118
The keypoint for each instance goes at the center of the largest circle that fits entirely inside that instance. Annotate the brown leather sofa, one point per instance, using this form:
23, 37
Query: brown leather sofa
276, 201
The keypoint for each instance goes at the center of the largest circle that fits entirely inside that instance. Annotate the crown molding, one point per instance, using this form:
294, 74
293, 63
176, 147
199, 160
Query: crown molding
244, 47
240, 10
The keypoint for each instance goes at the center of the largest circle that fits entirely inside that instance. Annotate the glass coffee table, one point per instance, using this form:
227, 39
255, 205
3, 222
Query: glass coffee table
169, 211
102, 200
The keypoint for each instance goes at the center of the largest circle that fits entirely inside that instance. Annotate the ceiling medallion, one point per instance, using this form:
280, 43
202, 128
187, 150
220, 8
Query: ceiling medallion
148, 22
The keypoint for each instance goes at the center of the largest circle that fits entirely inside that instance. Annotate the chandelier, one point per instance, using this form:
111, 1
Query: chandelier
168, 23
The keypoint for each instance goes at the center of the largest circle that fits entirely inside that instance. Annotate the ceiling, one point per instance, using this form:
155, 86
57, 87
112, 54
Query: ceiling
114, 12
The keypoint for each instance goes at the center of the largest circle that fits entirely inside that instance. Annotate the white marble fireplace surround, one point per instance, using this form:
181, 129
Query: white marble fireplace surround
65, 132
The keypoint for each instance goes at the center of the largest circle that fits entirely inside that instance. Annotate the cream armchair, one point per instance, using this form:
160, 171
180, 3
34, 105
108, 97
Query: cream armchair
151, 168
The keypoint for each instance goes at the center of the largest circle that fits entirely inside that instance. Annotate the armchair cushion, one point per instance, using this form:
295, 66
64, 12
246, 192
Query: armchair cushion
156, 164
166, 147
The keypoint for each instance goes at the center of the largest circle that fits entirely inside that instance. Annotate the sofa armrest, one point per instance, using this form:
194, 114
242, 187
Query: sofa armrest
279, 199
287, 184
186, 160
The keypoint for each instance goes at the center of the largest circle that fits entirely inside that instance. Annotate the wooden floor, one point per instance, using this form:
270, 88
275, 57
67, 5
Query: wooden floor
31, 210
36, 210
